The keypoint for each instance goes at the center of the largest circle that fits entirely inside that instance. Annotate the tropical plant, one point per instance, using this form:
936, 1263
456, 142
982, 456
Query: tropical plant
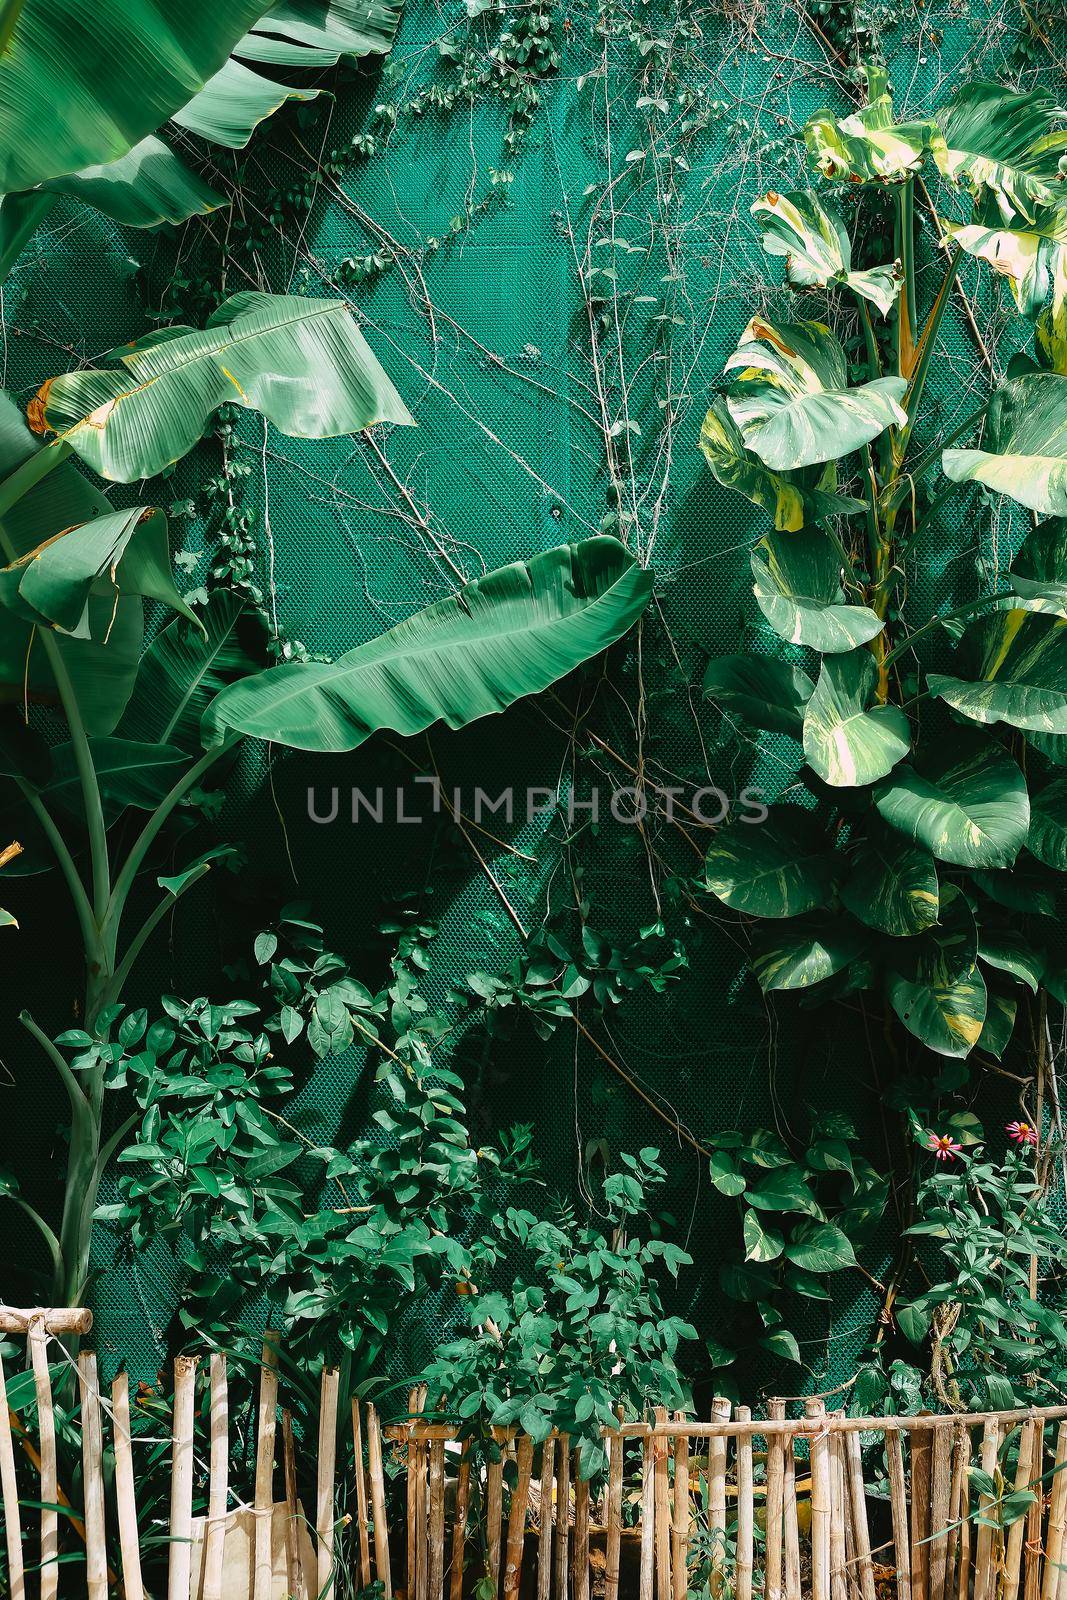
926, 851
581, 1334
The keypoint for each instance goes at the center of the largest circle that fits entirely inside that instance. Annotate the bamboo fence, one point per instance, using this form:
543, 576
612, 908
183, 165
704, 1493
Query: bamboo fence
825, 1505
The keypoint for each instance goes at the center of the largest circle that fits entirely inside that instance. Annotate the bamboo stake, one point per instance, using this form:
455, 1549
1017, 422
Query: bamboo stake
790, 1524
861, 1537
775, 1507
46, 1425
940, 1494
680, 1523
613, 1545
10, 1496
648, 1521
838, 1515
459, 1532
720, 1413
125, 1493
983, 1554
819, 1447
517, 1518
93, 1478
294, 1566
961, 1453
436, 1575
563, 1515
581, 1532
660, 1463
920, 1515
412, 1459
180, 1565
55, 1319
422, 1527
963, 1580
324, 1508
362, 1520
1057, 1515
1023, 1480
494, 1512
898, 1500
377, 1500
263, 1560
1032, 1566
219, 1484
743, 1568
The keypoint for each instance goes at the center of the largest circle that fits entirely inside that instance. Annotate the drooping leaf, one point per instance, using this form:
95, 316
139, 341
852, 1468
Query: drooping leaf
506, 635
176, 883
1050, 332
1008, 951
1024, 447
1027, 255
1003, 143
181, 672
119, 72
785, 1189
891, 885
1020, 672
761, 1244
791, 501
791, 400
317, 33
129, 773
798, 589
120, 552
1038, 575
817, 249
762, 692
868, 146
965, 801
303, 363
147, 186
947, 1016
1048, 825
1025, 887
848, 742
999, 1024
803, 951
820, 1247
778, 868
232, 104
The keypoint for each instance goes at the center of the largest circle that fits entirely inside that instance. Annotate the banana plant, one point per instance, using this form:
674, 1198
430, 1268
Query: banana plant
926, 857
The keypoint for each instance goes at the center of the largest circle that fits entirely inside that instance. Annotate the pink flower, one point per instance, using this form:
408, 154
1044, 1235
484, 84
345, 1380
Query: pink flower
1022, 1132
944, 1146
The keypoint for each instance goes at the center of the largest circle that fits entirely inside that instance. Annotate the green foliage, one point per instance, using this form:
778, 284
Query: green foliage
582, 1330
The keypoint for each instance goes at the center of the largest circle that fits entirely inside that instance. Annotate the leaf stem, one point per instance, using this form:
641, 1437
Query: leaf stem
972, 609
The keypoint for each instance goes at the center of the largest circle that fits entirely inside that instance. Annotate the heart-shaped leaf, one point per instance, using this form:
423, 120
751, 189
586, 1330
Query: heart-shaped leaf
1020, 672
803, 951
790, 499
965, 801
891, 885
1024, 448
779, 868
798, 589
760, 691
846, 743
817, 249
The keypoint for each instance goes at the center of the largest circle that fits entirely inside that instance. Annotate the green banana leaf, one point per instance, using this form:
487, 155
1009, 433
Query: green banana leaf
760, 691
1048, 825
868, 146
817, 249
803, 951
891, 886
183, 670
1024, 449
317, 33
792, 501
232, 104
303, 363
1020, 672
798, 589
998, 142
120, 552
1026, 255
779, 868
504, 636
791, 398
129, 774
966, 802
845, 743
118, 70
147, 186
1050, 332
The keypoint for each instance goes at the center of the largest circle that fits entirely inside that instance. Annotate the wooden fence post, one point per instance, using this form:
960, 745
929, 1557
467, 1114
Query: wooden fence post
218, 1482
819, 1448
125, 1490
180, 1564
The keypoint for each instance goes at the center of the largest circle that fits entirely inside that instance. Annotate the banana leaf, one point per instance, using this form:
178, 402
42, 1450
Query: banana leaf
183, 670
509, 634
232, 104
147, 186
318, 33
303, 363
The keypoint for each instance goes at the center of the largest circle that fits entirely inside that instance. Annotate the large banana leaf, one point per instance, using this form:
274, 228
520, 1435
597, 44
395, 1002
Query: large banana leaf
793, 501
232, 104
303, 363
147, 186
1027, 254
966, 803
791, 398
798, 589
1005, 144
817, 249
1020, 672
848, 742
868, 146
83, 81
317, 33
760, 691
509, 634
891, 886
778, 868
1024, 448
183, 670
